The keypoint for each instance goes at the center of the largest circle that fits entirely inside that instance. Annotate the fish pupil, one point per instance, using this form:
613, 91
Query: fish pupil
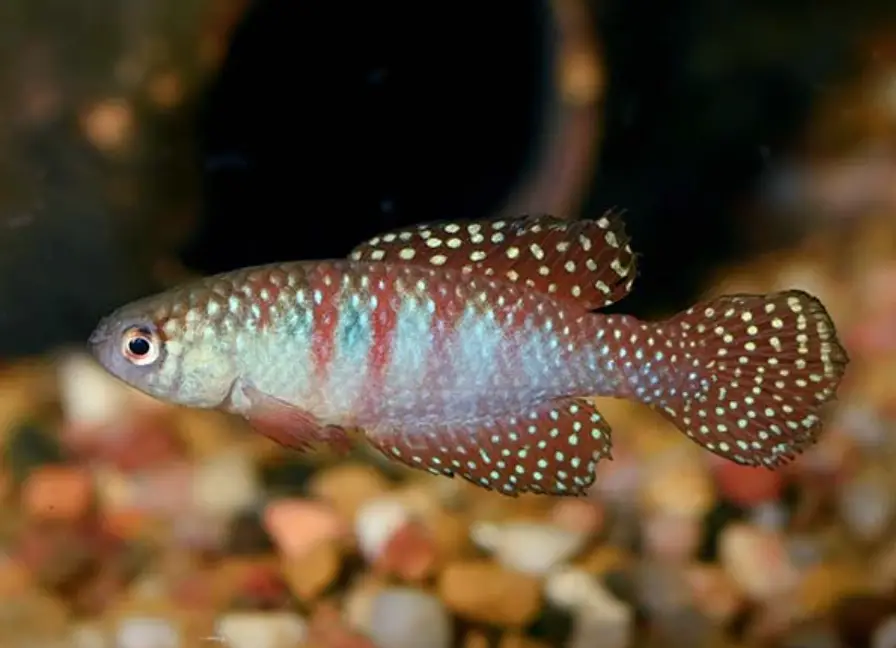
139, 346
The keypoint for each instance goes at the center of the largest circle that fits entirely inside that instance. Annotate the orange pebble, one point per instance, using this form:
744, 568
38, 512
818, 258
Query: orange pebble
748, 486
125, 523
58, 493
298, 526
410, 554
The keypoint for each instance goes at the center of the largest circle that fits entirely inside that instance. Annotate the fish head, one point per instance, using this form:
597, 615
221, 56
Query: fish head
173, 354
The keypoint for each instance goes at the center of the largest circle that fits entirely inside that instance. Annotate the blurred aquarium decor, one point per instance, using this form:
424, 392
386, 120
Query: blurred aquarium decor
752, 148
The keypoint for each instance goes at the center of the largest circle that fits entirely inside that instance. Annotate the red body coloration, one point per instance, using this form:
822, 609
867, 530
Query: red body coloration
742, 375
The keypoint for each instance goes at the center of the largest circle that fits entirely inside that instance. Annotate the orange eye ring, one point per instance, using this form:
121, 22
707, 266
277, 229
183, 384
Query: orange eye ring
140, 346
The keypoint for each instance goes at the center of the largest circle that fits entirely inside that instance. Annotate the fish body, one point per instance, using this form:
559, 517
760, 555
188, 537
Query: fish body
468, 348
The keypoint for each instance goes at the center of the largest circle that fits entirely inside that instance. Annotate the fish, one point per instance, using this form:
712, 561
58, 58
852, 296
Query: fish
473, 349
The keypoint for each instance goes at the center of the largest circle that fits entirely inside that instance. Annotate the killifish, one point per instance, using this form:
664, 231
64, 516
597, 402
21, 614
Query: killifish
471, 349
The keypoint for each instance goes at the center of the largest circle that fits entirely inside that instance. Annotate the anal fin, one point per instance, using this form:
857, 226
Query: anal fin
552, 449
290, 426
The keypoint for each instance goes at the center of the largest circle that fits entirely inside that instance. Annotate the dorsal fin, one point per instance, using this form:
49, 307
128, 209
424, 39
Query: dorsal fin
586, 261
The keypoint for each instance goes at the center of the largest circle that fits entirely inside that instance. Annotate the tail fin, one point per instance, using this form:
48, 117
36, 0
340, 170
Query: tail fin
758, 368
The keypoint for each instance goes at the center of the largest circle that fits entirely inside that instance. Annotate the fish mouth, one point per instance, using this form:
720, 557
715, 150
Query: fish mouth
99, 337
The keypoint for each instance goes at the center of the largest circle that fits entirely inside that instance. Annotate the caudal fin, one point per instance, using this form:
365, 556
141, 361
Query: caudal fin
755, 370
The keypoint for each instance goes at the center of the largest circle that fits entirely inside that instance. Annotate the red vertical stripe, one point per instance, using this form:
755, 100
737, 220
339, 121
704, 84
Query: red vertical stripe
384, 317
326, 285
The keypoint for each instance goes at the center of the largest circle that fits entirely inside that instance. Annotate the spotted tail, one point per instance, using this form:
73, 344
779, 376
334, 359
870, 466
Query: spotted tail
750, 374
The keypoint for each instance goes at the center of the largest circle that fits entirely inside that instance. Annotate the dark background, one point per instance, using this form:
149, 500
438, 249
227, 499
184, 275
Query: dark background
329, 122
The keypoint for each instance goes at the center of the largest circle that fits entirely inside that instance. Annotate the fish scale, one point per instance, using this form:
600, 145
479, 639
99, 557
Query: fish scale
468, 348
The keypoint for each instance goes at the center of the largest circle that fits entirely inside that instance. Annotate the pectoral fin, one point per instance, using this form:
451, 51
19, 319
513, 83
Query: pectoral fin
291, 426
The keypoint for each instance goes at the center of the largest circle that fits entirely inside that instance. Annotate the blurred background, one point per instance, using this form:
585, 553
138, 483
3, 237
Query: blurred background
752, 146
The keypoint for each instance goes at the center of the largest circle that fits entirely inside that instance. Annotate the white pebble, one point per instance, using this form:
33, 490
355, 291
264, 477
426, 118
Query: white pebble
136, 632
769, 515
866, 505
572, 588
90, 396
376, 522
569, 588
757, 561
599, 618
589, 631
260, 630
864, 425
87, 636
527, 547
409, 618
149, 586
225, 484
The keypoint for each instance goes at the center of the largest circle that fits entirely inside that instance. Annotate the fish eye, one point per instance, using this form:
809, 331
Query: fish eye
140, 346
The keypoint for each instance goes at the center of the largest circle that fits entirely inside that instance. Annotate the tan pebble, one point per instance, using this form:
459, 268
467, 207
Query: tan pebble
678, 485
224, 484
451, 533
654, 437
514, 640
825, 584
604, 559
115, 490
714, 593
348, 486
757, 561
476, 639
580, 516
298, 526
532, 506
203, 432
6, 485
309, 574
421, 501
358, 602
88, 634
883, 568
58, 493
259, 629
32, 618
490, 505
483, 591
15, 579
